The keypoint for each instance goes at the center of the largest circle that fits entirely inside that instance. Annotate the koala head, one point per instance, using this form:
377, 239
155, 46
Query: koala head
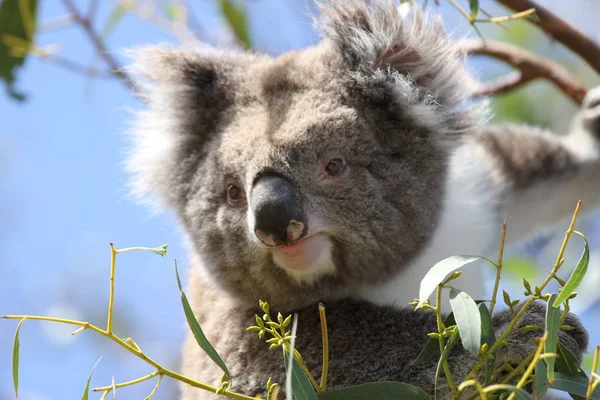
301, 177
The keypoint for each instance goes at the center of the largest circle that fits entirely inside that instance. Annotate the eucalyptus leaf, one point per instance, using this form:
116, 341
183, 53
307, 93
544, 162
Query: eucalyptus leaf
236, 18
540, 381
574, 385
468, 320
566, 361
197, 330
301, 386
17, 30
432, 346
474, 6
86, 391
552, 327
439, 272
488, 336
15, 357
520, 394
376, 390
576, 276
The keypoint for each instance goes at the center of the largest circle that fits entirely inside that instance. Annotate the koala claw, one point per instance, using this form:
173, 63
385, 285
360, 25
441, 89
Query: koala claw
521, 342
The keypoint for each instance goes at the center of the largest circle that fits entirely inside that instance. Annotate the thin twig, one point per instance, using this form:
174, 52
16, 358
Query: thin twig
99, 45
530, 67
75, 67
560, 30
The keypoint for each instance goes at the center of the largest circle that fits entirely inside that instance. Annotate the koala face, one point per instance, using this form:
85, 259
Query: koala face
302, 177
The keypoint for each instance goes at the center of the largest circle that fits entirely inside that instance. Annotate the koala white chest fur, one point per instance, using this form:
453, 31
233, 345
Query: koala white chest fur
341, 173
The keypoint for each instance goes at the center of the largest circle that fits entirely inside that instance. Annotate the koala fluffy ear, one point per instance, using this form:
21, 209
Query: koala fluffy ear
185, 94
382, 35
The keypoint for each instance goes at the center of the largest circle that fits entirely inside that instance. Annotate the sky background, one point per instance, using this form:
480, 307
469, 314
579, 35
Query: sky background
63, 198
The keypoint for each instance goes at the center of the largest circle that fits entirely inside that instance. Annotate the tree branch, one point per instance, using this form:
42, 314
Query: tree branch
98, 43
529, 67
560, 30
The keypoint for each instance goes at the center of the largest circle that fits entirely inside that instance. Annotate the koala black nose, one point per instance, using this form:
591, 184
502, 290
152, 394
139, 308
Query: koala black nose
278, 215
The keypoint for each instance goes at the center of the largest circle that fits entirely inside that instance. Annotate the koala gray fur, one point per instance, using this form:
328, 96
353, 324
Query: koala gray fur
424, 178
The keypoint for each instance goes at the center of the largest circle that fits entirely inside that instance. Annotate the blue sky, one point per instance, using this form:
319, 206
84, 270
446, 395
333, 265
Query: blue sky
63, 199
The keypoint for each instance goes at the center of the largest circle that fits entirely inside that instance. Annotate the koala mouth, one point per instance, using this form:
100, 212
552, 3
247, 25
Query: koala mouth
307, 259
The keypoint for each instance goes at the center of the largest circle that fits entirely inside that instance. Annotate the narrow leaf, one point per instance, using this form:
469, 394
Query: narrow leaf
520, 394
474, 6
15, 358
301, 386
117, 13
376, 390
290, 363
552, 327
540, 381
451, 343
467, 318
488, 336
574, 385
197, 330
86, 391
567, 362
432, 346
576, 277
438, 273
17, 31
235, 16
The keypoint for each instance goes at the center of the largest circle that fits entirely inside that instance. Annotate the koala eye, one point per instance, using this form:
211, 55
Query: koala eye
335, 167
234, 194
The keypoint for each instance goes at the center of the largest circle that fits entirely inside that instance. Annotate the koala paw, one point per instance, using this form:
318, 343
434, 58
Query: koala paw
521, 342
590, 112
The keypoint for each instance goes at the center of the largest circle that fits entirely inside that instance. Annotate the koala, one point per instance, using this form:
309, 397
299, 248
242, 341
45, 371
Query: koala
341, 173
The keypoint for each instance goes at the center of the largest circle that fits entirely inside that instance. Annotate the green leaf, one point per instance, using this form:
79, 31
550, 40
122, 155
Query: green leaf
488, 336
86, 391
438, 273
376, 390
574, 385
432, 346
197, 330
301, 386
117, 13
520, 394
17, 30
467, 318
552, 327
235, 15
576, 277
451, 343
15, 358
474, 6
566, 361
540, 381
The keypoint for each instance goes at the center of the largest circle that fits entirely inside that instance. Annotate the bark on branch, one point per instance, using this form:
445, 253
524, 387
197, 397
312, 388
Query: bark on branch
560, 30
529, 67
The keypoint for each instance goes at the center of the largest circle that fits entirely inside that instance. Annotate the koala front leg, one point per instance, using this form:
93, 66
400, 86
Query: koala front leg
538, 177
520, 342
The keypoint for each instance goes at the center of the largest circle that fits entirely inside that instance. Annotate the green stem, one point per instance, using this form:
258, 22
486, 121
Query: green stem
128, 383
440, 328
324, 335
111, 293
533, 297
162, 370
499, 266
